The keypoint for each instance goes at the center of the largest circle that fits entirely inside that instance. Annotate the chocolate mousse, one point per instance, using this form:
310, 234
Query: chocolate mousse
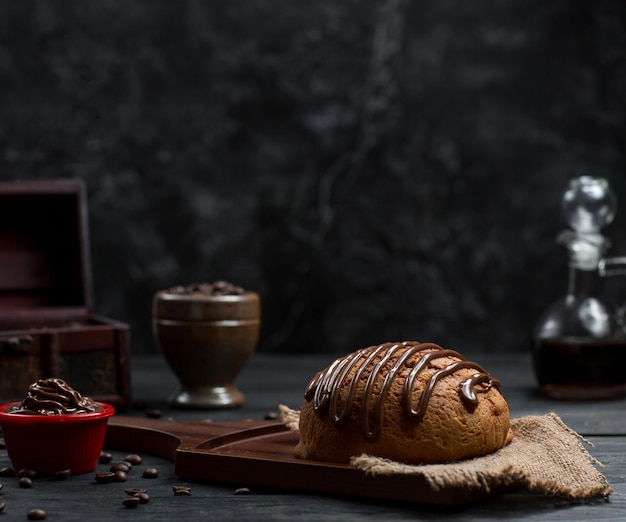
54, 396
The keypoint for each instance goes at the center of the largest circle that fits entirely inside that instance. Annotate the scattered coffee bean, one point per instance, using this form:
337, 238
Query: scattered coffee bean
271, 415
36, 514
61, 475
150, 473
30, 473
25, 482
153, 413
2, 506
133, 459
143, 497
120, 466
2, 443
181, 490
131, 502
242, 491
104, 476
134, 491
7, 472
120, 476
105, 457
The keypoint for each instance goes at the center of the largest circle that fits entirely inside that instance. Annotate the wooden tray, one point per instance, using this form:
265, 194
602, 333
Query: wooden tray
259, 453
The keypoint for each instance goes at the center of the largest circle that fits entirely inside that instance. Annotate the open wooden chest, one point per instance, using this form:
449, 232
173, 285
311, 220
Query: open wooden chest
47, 324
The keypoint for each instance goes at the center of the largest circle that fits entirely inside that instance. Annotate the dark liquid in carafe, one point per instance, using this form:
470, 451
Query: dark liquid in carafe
579, 369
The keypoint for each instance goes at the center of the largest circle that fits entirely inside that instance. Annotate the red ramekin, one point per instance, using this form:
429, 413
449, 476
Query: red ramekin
52, 443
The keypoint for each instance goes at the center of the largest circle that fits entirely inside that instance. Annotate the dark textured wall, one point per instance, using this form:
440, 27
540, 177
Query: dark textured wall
376, 170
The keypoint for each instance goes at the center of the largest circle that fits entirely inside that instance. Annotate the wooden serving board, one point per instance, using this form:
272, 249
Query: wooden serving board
259, 453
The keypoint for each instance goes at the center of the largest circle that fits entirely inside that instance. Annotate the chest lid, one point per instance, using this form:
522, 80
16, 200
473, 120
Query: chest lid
45, 264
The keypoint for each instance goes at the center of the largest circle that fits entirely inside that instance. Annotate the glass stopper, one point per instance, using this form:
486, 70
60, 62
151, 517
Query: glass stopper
589, 204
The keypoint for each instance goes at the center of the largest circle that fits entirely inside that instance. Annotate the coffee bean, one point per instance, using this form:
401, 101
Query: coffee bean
120, 466
36, 514
271, 415
134, 491
216, 288
104, 476
150, 473
120, 476
181, 490
131, 502
30, 473
25, 482
242, 491
2, 506
7, 472
143, 497
61, 475
153, 413
105, 457
133, 459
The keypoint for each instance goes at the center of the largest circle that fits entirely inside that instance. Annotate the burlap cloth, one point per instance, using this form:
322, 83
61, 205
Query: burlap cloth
545, 456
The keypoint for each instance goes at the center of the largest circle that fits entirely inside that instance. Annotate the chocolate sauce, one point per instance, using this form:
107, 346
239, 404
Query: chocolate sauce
581, 368
373, 364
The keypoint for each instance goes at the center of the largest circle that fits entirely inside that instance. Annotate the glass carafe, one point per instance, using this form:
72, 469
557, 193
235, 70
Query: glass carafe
579, 348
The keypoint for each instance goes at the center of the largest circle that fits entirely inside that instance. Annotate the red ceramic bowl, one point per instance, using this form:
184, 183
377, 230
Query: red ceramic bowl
51, 443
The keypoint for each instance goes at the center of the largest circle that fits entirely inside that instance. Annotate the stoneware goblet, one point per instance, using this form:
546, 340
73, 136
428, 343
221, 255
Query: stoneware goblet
206, 340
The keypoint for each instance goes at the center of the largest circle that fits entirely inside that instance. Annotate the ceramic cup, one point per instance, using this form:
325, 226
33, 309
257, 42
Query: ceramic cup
206, 340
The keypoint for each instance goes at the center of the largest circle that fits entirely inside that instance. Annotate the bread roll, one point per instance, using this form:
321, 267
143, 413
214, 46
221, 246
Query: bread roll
410, 402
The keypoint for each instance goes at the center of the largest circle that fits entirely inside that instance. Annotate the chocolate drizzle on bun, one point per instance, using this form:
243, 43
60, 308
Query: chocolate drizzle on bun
325, 389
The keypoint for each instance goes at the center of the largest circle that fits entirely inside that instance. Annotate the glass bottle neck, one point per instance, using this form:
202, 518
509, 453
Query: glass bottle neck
582, 283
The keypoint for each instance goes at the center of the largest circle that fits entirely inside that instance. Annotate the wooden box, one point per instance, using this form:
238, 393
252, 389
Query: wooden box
47, 324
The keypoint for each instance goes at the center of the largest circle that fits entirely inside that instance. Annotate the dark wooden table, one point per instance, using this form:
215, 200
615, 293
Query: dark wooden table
269, 380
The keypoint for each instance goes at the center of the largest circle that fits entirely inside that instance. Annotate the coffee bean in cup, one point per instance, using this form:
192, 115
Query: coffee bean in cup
215, 288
